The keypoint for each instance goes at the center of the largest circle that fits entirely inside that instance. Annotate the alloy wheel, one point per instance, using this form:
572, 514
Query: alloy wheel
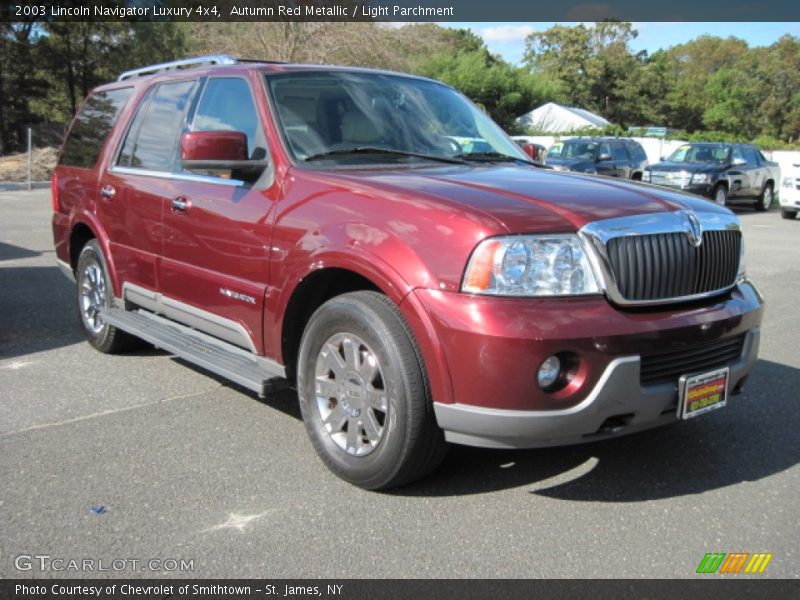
351, 394
93, 294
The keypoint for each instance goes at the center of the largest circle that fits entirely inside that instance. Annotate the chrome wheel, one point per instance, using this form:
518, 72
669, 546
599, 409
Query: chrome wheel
720, 196
766, 198
350, 394
92, 295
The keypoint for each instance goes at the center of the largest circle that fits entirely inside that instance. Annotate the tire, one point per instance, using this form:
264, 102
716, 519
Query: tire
788, 214
95, 292
720, 195
764, 201
355, 347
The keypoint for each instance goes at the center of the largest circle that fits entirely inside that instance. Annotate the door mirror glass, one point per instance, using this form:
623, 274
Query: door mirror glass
603, 157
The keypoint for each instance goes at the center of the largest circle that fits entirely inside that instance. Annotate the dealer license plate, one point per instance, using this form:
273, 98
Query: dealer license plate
703, 393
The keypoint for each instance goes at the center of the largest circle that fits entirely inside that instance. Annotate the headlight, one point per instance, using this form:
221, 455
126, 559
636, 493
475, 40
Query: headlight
530, 265
701, 178
787, 182
646, 176
742, 274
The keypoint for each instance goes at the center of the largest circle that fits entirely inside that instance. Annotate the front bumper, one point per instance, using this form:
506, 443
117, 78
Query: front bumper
699, 189
493, 346
617, 405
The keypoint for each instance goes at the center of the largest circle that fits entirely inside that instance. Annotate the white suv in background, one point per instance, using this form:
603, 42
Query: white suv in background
790, 193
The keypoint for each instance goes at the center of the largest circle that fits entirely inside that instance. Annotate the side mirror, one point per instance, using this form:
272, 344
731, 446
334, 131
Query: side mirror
663, 159
219, 151
604, 157
738, 162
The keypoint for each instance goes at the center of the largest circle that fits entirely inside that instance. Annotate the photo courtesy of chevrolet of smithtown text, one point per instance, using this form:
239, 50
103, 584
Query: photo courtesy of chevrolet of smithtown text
354, 299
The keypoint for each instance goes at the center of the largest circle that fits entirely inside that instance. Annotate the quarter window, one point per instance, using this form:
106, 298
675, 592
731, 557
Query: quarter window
92, 126
153, 137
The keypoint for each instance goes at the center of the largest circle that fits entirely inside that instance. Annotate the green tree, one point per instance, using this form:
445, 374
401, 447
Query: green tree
76, 57
692, 65
19, 83
590, 64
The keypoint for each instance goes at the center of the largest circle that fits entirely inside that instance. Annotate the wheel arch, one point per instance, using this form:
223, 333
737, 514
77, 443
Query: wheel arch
84, 229
322, 284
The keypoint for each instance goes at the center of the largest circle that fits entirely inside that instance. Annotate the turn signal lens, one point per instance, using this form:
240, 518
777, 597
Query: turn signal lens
479, 273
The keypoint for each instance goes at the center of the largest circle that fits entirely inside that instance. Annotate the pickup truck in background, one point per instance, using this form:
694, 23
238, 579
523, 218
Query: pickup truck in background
726, 173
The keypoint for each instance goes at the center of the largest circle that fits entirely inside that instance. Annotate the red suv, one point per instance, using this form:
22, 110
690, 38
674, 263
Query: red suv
376, 240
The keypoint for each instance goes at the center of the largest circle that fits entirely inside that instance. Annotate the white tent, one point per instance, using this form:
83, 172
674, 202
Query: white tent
554, 118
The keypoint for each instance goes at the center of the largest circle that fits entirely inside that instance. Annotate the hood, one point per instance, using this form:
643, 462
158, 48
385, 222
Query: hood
521, 199
705, 167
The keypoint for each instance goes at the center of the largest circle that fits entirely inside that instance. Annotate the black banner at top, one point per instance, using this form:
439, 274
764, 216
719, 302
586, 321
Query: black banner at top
403, 10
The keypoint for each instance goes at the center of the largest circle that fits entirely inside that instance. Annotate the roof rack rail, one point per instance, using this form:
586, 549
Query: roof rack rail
211, 59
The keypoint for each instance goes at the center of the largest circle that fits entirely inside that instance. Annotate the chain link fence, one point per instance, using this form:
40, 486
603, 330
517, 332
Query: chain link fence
33, 167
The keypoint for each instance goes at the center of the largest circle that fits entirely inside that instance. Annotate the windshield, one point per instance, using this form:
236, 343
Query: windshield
579, 150
701, 153
325, 115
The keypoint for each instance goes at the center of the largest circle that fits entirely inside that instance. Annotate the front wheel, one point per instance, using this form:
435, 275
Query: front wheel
95, 294
364, 394
765, 200
721, 195
788, 214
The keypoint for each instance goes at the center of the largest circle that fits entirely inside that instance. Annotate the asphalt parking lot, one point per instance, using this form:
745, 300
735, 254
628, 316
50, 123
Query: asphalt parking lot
180, 465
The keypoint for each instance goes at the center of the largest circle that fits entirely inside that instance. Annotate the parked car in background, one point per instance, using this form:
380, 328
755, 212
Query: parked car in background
536, 151
726, 173
613, 157
790, 193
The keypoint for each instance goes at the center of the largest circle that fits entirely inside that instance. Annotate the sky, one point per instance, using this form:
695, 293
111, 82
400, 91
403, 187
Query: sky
508, 39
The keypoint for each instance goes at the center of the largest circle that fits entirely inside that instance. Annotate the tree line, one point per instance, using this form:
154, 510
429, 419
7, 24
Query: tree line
711, 86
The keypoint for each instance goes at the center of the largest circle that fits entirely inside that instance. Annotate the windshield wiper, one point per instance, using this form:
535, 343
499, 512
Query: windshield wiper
383, 151
492, 157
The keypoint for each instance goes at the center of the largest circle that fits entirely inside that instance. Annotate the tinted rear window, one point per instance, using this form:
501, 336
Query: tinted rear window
92, 126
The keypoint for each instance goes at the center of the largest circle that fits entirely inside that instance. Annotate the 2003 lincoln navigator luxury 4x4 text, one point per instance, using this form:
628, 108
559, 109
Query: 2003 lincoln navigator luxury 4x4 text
376, 240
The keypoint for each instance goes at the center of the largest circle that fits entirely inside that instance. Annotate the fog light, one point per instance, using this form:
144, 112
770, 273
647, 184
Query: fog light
548, 372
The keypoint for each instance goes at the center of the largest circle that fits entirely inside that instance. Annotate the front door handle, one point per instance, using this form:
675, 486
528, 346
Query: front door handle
108, 191
181, 204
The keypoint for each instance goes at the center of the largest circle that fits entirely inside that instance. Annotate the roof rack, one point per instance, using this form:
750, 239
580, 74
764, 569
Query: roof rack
211, 59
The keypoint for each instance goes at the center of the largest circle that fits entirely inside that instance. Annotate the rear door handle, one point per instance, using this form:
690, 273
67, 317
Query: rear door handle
108, 191
181, 204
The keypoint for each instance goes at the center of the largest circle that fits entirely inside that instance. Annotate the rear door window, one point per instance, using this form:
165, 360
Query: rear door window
152, 139
94, 122
619, 152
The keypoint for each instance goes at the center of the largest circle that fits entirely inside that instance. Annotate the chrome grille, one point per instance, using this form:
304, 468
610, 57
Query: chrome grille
666, 265
670, 365
671, 178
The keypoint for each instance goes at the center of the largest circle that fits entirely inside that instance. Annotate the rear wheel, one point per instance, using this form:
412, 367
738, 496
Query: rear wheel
94, 294
788, 214
364, 394
764, 202
721, 195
